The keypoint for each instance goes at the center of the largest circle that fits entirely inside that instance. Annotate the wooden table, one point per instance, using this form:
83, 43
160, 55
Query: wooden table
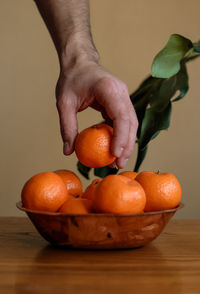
170, 264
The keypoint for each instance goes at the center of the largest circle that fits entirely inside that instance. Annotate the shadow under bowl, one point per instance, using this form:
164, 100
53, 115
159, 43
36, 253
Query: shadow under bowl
100, 231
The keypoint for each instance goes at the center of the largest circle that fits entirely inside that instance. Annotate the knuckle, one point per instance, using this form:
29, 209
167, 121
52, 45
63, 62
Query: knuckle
121, 110
106, 82
112, 86
134, 120
108, 86
119, 141
63, 102
127, 153
134, 124
123, 144
124, 88
59, 102
123, 116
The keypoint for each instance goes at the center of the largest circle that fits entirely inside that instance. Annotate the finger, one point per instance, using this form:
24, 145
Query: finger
115, 101
113, 165
122, 161
120, 134
68, 122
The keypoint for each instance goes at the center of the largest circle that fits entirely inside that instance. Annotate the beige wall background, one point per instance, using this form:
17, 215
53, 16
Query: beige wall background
127, 34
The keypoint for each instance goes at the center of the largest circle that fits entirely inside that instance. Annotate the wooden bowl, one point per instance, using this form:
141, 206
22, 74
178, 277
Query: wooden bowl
100, 231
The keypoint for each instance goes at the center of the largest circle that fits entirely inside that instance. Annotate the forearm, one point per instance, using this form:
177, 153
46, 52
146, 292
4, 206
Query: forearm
69, 25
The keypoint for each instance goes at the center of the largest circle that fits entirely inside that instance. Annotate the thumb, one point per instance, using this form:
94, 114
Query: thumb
68, 122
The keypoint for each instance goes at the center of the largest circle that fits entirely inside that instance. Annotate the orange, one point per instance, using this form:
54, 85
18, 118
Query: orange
92, 146
119, 194
130, 174
72, 181
163, 191
45, 191
76, 206
89, 192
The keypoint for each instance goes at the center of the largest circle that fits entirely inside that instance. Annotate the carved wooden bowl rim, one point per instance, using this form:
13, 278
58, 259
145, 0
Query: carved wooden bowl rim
19, 206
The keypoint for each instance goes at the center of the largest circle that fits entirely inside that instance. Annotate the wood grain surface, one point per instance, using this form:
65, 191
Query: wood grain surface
170, 264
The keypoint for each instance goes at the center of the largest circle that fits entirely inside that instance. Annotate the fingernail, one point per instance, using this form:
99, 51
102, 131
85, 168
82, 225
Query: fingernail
123, 162
118, 151
113, 165
66, 148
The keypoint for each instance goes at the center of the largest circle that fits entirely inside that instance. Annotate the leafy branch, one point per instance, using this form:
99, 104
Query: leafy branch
154, 97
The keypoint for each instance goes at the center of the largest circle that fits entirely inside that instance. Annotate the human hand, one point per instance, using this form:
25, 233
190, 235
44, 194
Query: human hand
82, 81
84, 84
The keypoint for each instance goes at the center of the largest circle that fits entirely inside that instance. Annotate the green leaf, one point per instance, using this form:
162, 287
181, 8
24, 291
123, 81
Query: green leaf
182, 82
197, 47
152, 99
193, 53
167, 62
153, 122
140, 157
149, 85
140, 116
155, 135
142, 89
141, 97
102, 172
169, 87
84, 170
166, 91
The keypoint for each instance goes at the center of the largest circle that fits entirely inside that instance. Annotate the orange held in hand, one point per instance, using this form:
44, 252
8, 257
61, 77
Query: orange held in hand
44, 192
130, 174
76, 206
163, 190
72, 181
90, 190
93, 145
119, 194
